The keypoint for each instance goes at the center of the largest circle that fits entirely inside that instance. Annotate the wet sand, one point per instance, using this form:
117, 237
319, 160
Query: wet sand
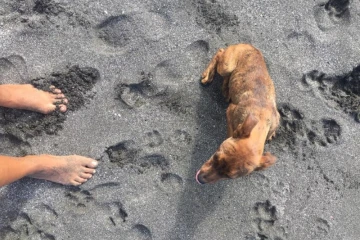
131, 71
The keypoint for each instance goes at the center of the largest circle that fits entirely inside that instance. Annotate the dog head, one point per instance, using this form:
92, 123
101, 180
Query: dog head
237, 156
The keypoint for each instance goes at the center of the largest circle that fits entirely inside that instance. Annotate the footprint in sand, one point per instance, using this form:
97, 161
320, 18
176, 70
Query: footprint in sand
260, 181
13, 146
153, 160
166, 95
139, 232
128, 154
339, 91
81, 201
292, 127
296, 130
13, 69
27, 227
135, 95
117, 213
265, 216
123, 153
153, 139
213, 16
334, 12
195, 57
41, 14
180, 137
153, 25
171, 183
322, 228
118, 32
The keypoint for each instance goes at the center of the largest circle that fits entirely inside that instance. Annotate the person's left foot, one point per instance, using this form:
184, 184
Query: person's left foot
67, 170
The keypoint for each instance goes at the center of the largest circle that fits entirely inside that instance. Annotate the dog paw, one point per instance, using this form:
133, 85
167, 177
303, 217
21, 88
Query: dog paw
271, 136
205, 79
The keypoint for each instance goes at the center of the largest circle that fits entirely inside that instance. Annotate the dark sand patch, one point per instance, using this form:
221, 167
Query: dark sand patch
343, 90
75, 84
42, 14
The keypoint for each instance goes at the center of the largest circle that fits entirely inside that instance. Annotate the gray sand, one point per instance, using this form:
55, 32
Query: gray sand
151, 124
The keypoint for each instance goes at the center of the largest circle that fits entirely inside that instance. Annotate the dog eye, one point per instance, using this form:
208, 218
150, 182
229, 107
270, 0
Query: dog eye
216, 158
219, 163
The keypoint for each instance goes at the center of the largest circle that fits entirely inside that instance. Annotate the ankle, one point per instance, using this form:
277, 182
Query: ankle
37, 163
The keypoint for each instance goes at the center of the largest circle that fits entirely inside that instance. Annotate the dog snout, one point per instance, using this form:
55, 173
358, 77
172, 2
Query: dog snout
199, 178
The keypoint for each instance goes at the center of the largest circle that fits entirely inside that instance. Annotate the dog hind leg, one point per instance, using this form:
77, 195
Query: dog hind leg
274, 124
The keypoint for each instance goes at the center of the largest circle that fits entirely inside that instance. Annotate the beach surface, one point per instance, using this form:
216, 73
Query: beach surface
131, 71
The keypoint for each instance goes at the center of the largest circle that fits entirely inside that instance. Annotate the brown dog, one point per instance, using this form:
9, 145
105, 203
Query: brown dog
252, 116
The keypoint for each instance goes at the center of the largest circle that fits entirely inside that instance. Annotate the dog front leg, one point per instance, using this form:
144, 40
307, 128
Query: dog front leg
208, 75
225, 88
229, 114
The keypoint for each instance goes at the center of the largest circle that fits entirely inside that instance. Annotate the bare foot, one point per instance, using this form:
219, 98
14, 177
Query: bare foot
26, 96
67, 170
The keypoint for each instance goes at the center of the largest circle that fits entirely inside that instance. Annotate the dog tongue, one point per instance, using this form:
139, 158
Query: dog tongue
196, 177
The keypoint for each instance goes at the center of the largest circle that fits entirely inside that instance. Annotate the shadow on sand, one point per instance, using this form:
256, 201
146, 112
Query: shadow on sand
197, 202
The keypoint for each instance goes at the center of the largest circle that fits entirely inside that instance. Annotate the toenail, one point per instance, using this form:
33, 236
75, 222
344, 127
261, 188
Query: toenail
94, 171
95, 163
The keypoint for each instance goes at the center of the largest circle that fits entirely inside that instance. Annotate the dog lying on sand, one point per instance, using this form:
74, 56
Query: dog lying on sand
252, 116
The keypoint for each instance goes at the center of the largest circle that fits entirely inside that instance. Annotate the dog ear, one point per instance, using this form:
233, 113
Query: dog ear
266, 161
244, 129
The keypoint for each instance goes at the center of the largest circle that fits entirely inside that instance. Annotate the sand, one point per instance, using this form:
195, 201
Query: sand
131, 70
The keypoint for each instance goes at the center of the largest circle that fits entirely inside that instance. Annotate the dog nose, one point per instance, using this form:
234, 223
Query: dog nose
199, 178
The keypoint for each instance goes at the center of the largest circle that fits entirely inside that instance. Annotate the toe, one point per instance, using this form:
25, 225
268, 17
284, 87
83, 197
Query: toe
80, 180
86, 175
91, 164
49, 108
89, 170
62, 108
85, 161
55, 90
59, 96
75, 183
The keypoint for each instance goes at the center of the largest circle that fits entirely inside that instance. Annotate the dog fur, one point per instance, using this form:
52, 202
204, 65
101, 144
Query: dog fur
252, 116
